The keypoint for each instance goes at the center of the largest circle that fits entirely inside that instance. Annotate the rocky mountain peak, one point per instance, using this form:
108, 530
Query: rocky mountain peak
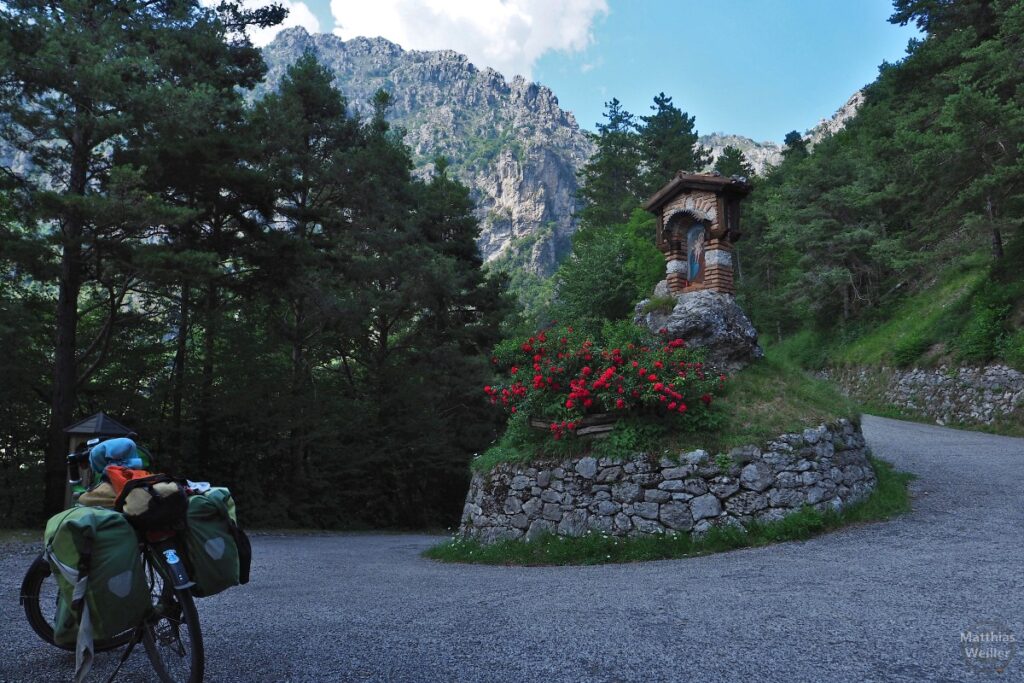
508, 141
838, 121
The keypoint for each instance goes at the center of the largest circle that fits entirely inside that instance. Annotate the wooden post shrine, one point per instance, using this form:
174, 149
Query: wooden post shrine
698, 222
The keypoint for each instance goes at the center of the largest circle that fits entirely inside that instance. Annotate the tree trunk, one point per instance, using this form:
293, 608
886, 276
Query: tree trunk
204, 411
997, 235
65, 365
180, 358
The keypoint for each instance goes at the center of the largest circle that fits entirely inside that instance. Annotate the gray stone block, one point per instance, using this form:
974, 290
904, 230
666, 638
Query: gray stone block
552, 512
757, 476
705, 506
646, 510
657, 496
538, 528
587, 468
676, 515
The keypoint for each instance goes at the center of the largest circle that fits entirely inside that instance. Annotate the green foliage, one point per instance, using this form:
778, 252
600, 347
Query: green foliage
610, 181
1013, 349
668, 141
633, 435
890, 498
609, 270
731, 162
910, 349
723, 462
263, 291
984, 334
660, 304
861, 240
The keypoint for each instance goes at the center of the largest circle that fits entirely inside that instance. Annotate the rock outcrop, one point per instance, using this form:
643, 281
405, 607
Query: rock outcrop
711, 321
824, 467
760, 155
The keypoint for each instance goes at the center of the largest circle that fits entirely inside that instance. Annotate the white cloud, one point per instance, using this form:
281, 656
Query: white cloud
507, 35
299, 14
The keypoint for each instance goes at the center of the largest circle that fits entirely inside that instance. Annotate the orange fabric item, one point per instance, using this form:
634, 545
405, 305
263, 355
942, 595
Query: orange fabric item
119, 476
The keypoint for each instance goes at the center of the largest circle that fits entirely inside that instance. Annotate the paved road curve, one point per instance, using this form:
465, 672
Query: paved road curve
881, 602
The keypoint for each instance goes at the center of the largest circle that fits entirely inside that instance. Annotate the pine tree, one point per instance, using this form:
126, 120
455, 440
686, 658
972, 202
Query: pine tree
731, 162
668, 141
610, 181
794, 146
77, 80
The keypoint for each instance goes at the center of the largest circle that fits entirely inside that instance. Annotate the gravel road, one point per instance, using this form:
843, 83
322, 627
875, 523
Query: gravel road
879, 602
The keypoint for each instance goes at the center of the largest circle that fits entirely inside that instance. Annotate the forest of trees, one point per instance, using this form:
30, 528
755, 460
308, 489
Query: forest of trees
261, 290
926, 182
267, 296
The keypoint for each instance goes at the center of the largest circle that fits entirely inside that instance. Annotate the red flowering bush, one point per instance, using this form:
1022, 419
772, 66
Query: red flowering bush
562, 377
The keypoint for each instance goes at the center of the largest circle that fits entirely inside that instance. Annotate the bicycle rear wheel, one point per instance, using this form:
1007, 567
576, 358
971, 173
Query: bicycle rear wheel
171, 635
39, 593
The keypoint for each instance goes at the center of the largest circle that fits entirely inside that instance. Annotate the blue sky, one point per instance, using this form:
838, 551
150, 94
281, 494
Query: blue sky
758, 68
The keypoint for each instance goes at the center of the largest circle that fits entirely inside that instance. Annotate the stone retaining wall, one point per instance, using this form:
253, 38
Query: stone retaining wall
826, 466
948, 395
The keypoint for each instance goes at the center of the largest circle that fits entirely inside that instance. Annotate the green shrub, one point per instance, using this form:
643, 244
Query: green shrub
910, 349
1012, 349
985, 331
631, 436
660, 304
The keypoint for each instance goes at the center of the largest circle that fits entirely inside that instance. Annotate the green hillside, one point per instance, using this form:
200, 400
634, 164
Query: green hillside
899, 239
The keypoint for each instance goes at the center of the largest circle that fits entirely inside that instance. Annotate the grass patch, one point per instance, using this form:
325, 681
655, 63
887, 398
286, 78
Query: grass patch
889, 498
661, 304
930, 316
772, 397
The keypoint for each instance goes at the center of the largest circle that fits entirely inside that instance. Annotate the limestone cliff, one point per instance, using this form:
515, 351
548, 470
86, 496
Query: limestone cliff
508, 141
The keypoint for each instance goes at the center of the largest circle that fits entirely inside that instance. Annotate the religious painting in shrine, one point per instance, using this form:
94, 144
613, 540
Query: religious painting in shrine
695, 251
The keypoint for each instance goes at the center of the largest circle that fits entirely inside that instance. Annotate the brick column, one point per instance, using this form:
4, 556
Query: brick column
676, 268
718, 260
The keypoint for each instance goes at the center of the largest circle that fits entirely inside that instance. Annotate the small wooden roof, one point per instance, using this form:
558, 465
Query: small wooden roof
99, 424
712, 182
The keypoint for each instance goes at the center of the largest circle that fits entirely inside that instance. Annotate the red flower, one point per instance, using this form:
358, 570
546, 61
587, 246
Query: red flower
514, 370
681, 408
569, 404
586, 371
620, 404
652, 377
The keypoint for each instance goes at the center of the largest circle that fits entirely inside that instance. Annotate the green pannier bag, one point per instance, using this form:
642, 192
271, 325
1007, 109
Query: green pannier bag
218, 553
94, 555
